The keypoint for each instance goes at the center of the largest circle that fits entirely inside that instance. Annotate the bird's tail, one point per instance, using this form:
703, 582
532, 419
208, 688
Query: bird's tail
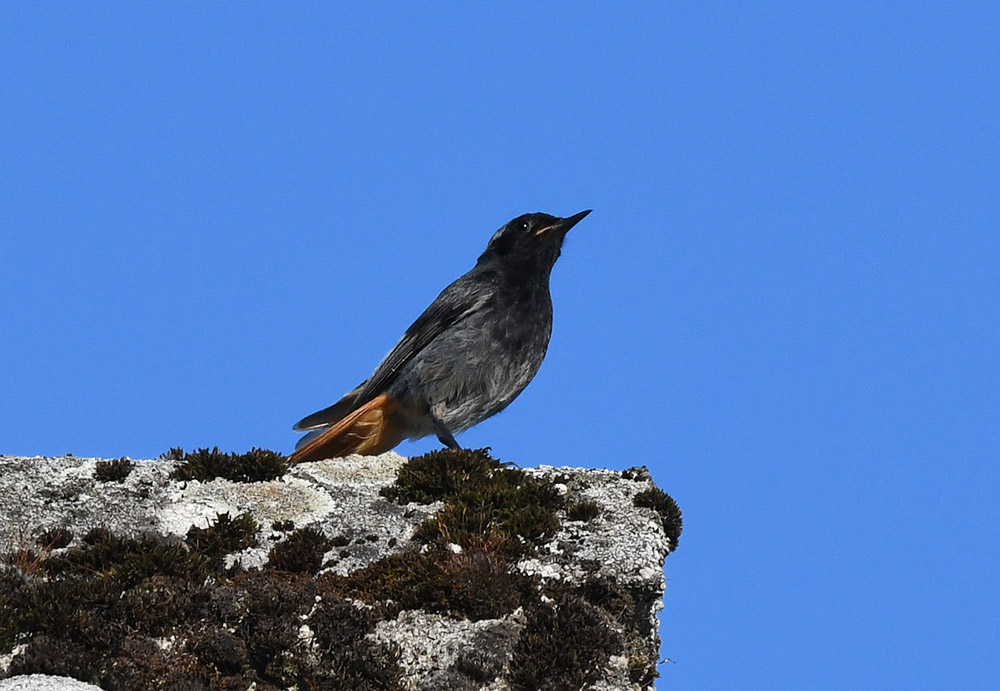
374, 428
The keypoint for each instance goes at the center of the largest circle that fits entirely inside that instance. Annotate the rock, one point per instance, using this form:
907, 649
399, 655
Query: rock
462, 574
45, 682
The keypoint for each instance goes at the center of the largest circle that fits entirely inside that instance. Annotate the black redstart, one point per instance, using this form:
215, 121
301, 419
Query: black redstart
463, 360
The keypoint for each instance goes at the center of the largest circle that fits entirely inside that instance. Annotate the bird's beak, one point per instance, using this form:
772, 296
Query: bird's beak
563, 224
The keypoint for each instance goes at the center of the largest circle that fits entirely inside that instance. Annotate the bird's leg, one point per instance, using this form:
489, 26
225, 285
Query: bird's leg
444, 435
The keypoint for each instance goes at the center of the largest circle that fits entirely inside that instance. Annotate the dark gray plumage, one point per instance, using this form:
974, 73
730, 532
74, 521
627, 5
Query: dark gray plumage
463, 360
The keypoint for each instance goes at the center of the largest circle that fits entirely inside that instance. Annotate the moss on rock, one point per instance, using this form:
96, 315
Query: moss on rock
256, 465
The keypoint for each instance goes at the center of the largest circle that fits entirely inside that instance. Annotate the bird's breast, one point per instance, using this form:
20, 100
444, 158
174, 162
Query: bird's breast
484, 362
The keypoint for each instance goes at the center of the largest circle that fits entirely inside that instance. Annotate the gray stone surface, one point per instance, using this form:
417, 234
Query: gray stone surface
338, 496
432, 644
341, 498
45, 682
624, 542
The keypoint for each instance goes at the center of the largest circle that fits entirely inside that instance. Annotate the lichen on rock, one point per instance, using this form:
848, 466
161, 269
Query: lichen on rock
450, 570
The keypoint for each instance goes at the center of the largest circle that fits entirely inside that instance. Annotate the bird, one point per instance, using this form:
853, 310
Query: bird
463, 360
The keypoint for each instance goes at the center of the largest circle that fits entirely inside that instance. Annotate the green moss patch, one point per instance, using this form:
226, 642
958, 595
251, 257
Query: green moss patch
667, 509
639, 638
113, 471
476, 583
584, 510
257, 465
484, 499
100, 613
564, 646
224, 536
302, 552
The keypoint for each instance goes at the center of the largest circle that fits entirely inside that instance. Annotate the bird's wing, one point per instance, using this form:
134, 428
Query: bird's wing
456, 302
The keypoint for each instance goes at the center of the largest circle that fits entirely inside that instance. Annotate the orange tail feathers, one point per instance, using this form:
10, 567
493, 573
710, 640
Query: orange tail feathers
374, 428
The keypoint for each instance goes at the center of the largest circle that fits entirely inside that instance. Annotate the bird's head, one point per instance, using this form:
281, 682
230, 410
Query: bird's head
531, 240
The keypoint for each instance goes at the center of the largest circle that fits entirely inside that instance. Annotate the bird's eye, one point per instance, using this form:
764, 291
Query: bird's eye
525, 225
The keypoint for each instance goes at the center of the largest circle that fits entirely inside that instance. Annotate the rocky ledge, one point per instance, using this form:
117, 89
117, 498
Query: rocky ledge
451, 570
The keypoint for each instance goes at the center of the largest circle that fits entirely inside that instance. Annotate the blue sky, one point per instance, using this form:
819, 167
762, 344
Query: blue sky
217, 219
